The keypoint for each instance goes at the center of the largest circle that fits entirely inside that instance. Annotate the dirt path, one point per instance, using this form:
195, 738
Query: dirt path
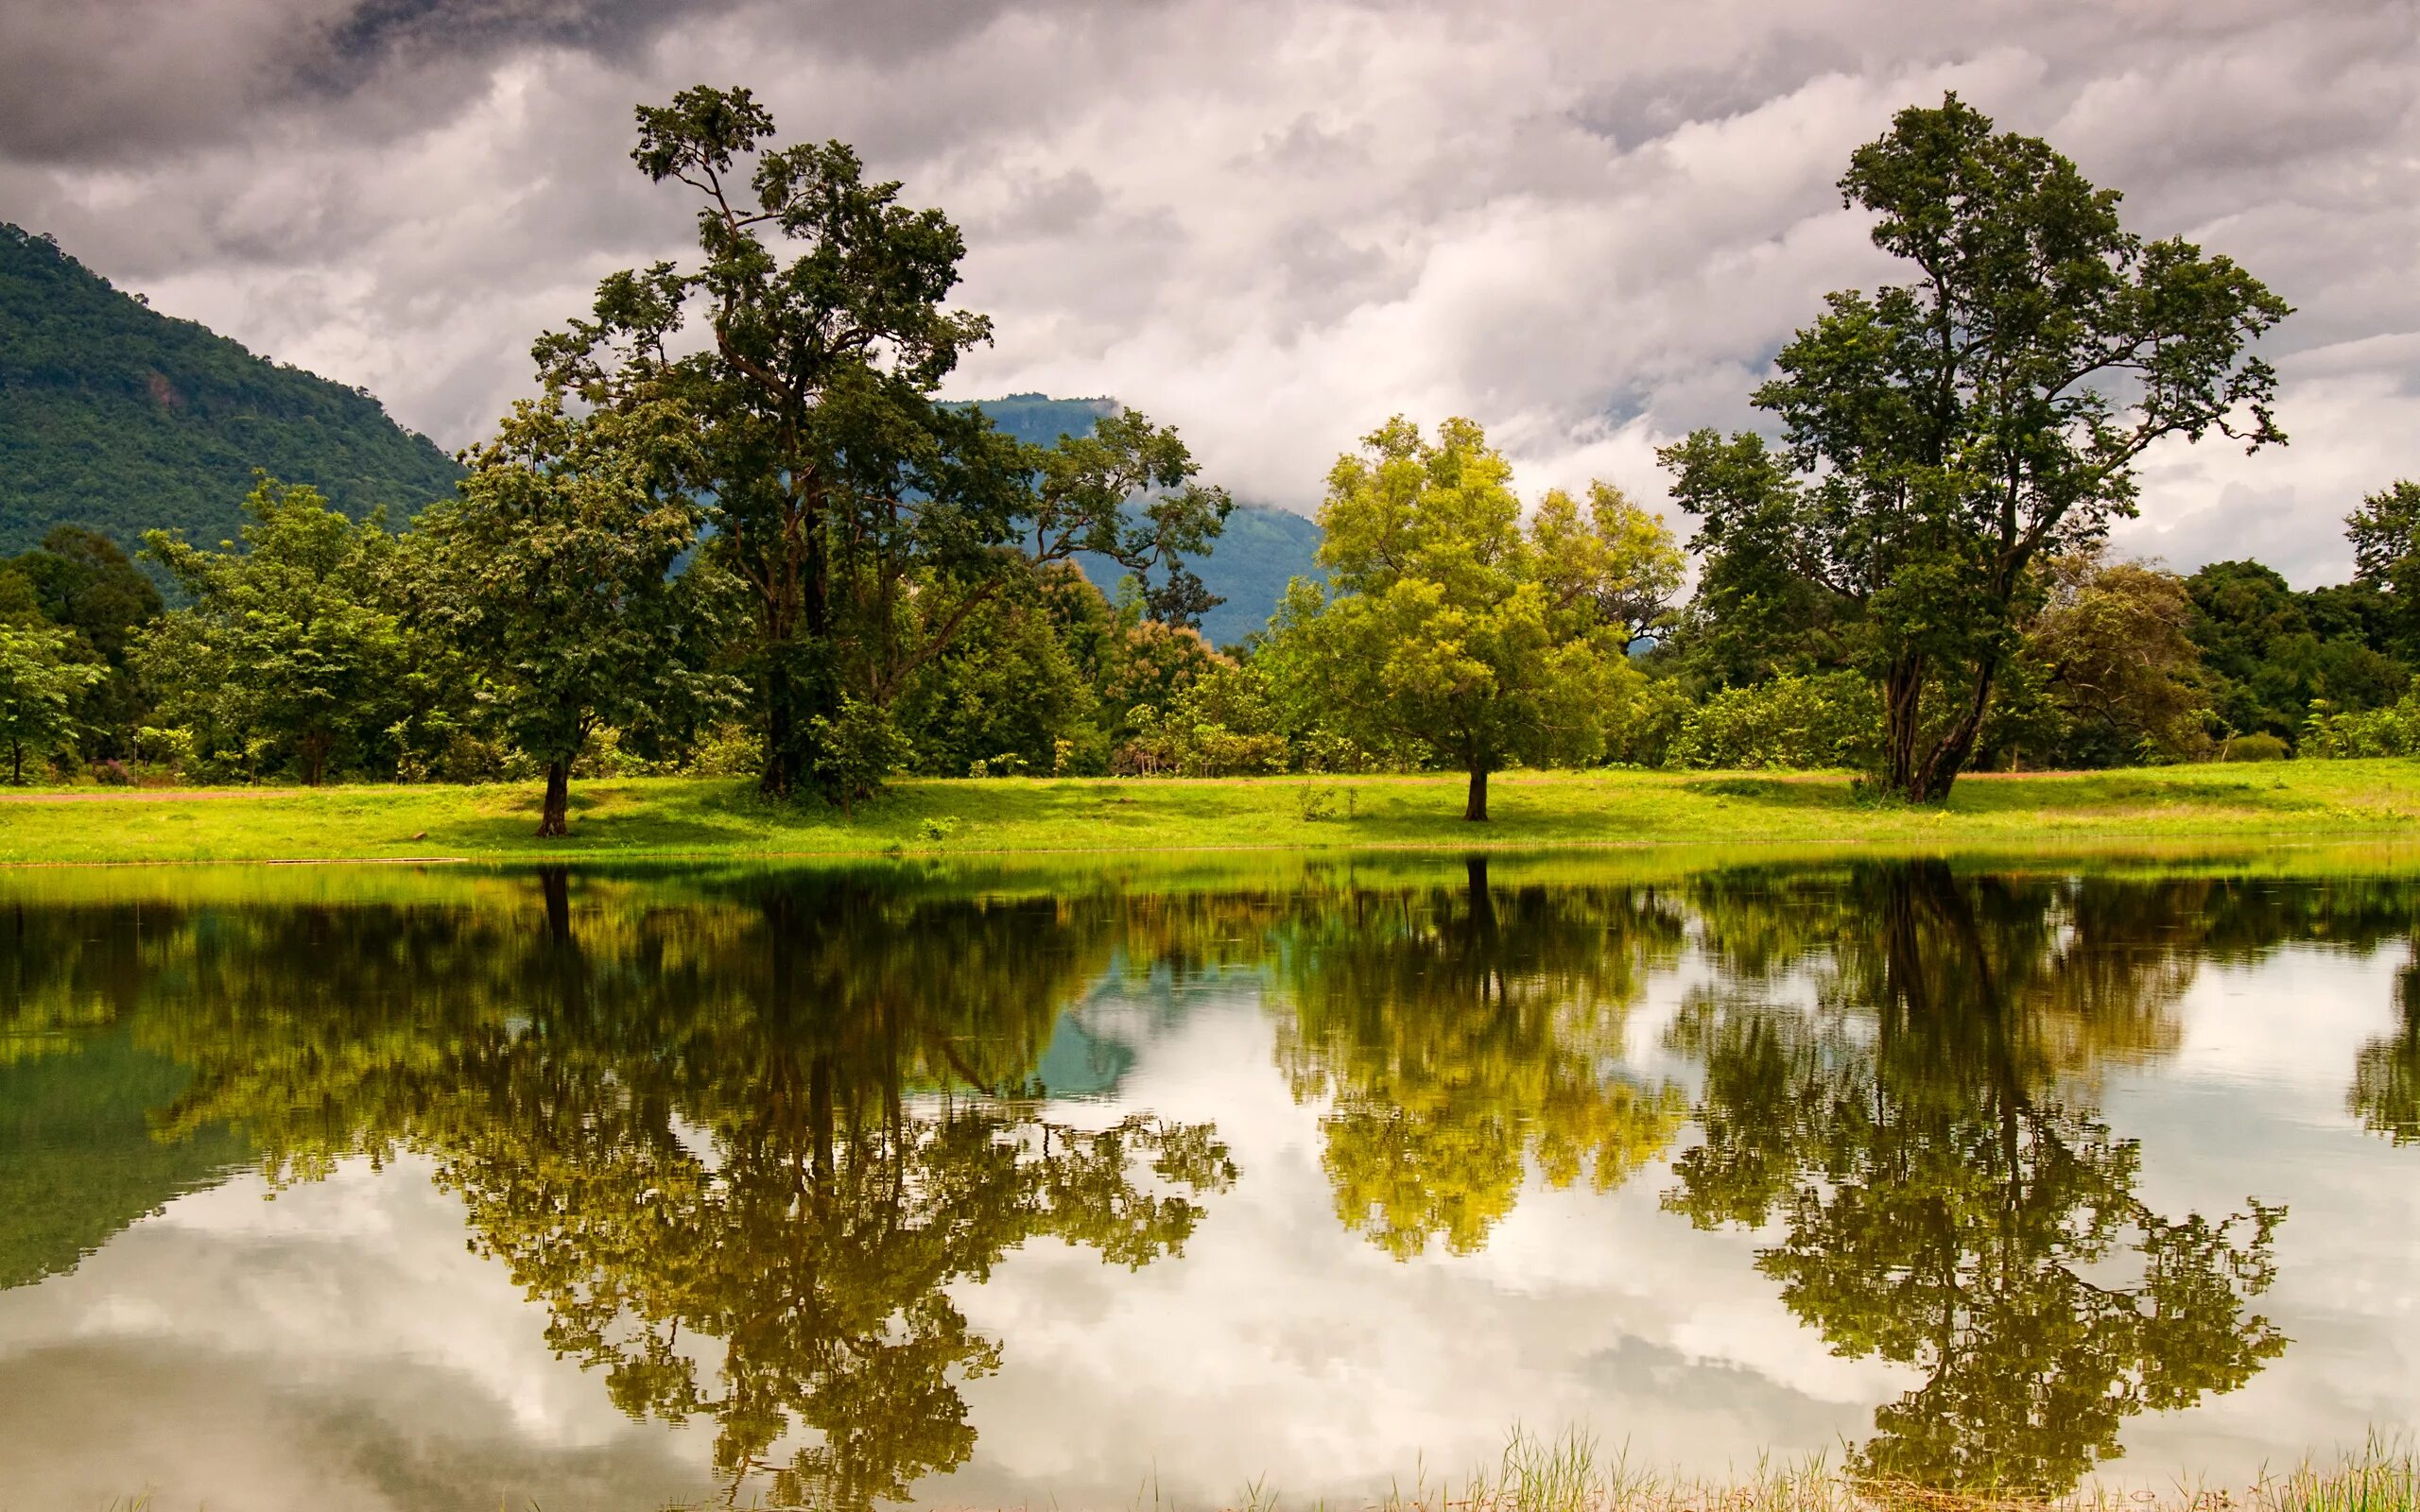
154, 795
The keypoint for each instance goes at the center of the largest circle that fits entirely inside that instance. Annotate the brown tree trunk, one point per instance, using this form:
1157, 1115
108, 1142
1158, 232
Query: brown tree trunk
554, 819
1474, 809
16, 763
315, 759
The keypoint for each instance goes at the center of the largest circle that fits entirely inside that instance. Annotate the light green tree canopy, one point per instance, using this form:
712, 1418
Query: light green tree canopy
39, 678
290, 650
1449, 626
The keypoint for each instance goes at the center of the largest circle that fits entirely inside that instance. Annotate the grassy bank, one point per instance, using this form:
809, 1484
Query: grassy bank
673, 816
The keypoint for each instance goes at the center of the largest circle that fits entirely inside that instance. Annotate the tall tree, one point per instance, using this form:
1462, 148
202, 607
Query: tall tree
1445, 623
555, 570
1942, 435
867, 520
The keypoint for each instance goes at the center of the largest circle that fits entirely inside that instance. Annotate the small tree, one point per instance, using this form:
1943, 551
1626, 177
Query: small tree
39, 680
1943, 434
1447, 626
554, 570
290, 643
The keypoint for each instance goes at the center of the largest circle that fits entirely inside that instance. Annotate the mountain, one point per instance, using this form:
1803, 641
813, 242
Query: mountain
118, 418
1261, 551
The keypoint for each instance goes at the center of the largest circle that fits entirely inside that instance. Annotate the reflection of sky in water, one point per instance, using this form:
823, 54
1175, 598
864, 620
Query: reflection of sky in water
337, 1346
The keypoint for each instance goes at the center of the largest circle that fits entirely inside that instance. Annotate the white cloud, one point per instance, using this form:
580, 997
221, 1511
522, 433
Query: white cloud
1272, 224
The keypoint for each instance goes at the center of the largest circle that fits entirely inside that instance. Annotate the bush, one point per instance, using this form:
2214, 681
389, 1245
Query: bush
2258, 747
1830, 720
2369, 733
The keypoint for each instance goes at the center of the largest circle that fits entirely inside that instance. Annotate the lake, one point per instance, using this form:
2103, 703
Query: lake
1098, 1186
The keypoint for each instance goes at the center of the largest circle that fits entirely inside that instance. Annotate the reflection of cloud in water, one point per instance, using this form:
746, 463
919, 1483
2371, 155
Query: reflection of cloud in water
336, 1347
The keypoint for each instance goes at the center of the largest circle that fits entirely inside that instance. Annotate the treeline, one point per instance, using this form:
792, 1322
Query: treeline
739, 533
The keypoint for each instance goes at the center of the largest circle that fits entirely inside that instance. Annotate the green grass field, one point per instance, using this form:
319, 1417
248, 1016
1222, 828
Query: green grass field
689, 818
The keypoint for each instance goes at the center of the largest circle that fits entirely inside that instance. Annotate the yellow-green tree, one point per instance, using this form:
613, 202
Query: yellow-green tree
1448, 627
1463, 1034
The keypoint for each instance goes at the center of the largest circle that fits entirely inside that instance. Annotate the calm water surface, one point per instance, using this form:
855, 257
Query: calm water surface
436, 1190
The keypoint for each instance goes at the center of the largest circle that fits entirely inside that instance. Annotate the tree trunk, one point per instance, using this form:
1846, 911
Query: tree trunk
1903, 688
1474, 809
315, 759
780, 777
554, 820
16, 763
1909, 771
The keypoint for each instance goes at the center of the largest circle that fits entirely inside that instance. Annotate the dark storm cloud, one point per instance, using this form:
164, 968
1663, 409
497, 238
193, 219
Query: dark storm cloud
1272, 222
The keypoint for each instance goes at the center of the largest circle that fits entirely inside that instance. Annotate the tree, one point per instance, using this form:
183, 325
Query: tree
40, 677
555, 570
1445, 623
2107, 672
1460, 1033
867, 520
2273, 652
1944, 1196
2385, 532
291, 647
79, 578
1940, 437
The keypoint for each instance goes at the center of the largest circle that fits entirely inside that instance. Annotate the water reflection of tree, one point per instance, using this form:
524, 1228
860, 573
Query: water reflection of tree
740, 1151
1946, 1197
1461, 1033
2385, 1095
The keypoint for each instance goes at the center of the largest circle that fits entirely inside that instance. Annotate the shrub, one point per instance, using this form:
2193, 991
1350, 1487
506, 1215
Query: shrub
2368, 732
1829, 720
2258, 747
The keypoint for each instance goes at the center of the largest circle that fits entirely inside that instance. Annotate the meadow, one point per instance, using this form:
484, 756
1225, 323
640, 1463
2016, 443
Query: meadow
695, 818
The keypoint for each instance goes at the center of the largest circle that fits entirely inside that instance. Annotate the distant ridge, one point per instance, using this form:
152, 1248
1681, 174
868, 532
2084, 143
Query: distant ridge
1262, 550
118, 418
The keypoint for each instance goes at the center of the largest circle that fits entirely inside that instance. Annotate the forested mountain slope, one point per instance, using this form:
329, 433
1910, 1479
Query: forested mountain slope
1261, 551
117, 418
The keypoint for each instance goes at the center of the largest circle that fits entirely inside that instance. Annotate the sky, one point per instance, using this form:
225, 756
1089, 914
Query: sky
1271, 223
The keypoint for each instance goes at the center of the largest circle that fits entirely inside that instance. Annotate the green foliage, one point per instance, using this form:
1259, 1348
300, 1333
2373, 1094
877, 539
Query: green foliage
2274, 653
1460, 1035
1244, 570
869, 521
291, 655
80, 580
40, 678
1942, 435
1221, 724
2107, 672
554, 575
2390, 732
1941, 1196
1830, 720
1448, 627
2254, 747
2385, 532
121, 420
1016, 682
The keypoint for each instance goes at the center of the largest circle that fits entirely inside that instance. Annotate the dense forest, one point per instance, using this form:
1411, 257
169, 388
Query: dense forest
777, 552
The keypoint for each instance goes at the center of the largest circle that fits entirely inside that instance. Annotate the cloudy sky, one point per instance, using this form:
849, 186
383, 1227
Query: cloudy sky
1270, 222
